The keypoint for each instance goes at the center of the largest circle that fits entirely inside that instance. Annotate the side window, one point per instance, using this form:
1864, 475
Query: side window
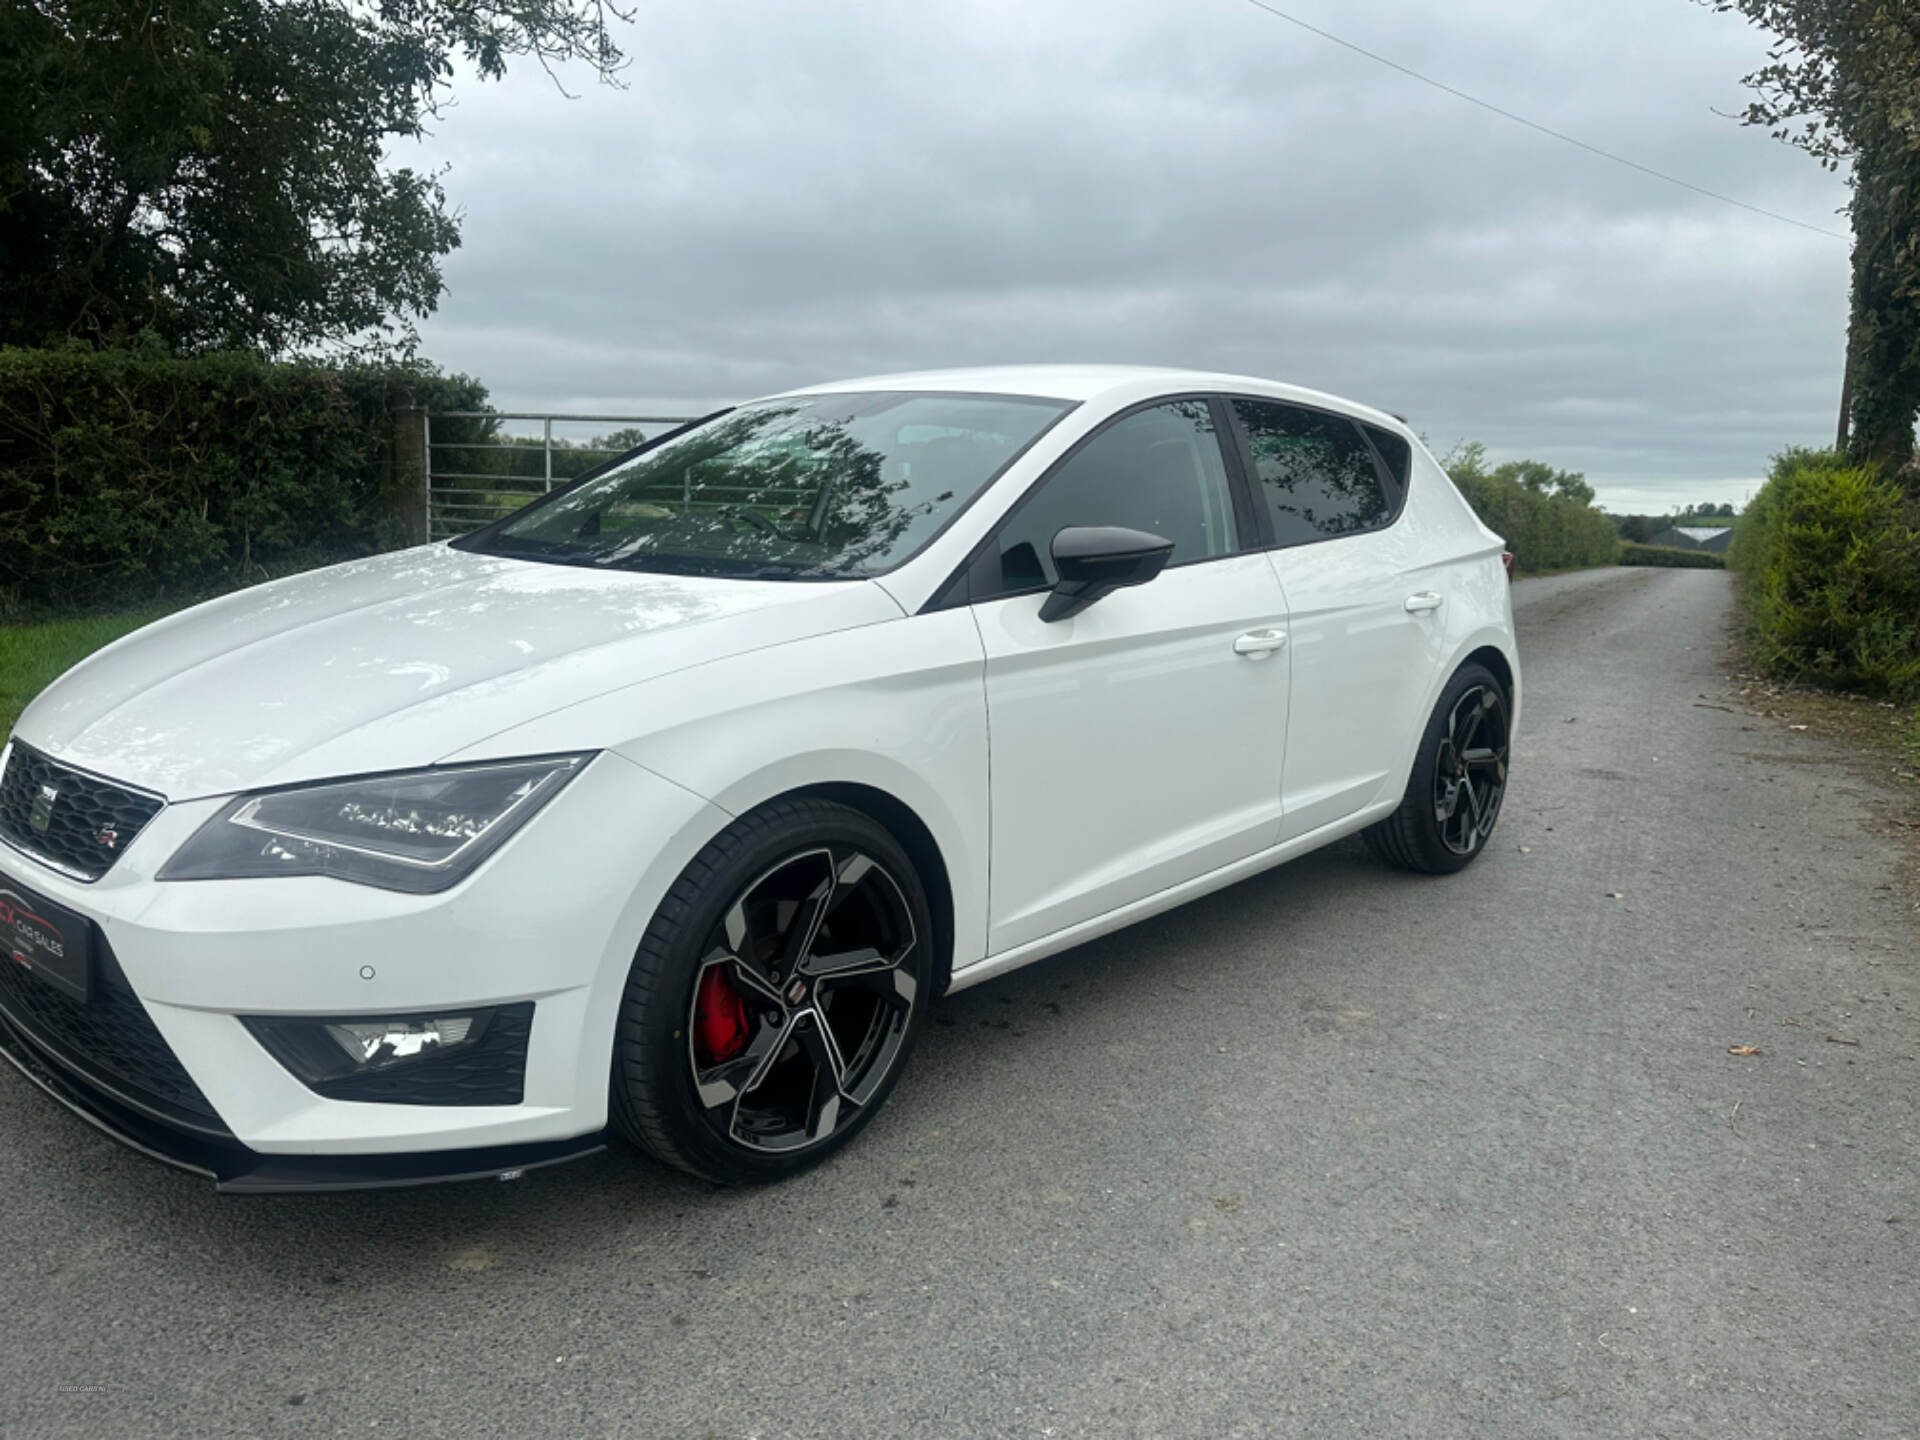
1313, 471
1394, 453
1158, 470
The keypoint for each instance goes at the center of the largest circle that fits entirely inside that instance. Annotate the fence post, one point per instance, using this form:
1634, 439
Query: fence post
412, 464
547, 445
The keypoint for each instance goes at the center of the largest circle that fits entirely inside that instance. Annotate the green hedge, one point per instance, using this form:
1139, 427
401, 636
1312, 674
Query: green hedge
131, 474
1672, 555
1543, 530
1829, 558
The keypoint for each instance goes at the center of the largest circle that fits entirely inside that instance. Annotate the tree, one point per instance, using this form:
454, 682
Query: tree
212, 172
1539, 511
1840, 84
625, 438
1466, 461
1542, 478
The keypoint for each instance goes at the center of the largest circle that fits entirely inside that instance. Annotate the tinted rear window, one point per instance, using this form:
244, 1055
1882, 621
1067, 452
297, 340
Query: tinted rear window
1313, 471
1394, 452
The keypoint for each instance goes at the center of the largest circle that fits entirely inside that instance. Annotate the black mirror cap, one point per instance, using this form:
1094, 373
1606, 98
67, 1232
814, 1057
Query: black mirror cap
1109, 555
1094, 560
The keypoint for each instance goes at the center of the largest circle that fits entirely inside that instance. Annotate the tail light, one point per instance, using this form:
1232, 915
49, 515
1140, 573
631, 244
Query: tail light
1506, 559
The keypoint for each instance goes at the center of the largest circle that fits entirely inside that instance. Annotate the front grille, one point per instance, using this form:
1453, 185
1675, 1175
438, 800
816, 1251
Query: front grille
110, 1040
78, 822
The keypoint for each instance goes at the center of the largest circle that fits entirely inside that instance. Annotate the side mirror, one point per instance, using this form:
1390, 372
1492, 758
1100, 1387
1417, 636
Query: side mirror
1094, 560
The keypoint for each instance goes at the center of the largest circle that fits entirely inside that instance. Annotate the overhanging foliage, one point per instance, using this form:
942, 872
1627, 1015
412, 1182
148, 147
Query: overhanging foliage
1842, 82
213, 172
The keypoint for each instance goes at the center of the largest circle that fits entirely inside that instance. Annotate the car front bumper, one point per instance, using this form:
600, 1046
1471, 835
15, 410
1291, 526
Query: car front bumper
551, 921
238, 1169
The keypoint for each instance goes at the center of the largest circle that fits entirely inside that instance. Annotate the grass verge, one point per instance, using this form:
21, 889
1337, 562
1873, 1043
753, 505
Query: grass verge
33, 656
1879, 738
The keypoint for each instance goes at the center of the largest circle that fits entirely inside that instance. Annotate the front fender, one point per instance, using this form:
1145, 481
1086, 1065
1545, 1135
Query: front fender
899, 707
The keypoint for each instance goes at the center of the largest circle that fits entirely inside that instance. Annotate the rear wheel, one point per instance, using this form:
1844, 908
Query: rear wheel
775, 996
1458, 782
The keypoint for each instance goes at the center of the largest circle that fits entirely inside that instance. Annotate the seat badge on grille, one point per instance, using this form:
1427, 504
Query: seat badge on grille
42, 814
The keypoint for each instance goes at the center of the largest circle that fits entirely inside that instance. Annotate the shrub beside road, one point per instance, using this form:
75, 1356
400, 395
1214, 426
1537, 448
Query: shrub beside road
1546, 515
127, 475
1829, 555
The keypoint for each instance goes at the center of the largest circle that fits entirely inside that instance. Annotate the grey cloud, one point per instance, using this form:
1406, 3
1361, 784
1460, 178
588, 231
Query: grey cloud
788, 193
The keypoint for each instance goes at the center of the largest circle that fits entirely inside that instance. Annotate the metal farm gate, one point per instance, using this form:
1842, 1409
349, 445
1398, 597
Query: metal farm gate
482, 464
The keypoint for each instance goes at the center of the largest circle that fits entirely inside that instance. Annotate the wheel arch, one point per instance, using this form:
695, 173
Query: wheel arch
905, 825
1487, 646
1495, 660
944, 841
1494, 649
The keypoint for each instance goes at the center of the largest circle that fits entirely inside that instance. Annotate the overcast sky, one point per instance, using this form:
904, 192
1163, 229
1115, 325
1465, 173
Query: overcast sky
789, 192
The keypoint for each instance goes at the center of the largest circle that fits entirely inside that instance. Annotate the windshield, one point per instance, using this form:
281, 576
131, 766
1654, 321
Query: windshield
813, 487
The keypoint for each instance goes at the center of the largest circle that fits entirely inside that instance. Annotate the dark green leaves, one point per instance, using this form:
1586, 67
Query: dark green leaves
1843, 84
130, 473
212, 171
1543, 514
1829, 556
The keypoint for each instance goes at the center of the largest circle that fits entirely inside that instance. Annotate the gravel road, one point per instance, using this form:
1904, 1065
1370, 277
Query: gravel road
1337, 1151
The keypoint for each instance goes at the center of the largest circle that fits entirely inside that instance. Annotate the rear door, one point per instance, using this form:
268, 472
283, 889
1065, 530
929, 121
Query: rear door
1132, 745
1363, 614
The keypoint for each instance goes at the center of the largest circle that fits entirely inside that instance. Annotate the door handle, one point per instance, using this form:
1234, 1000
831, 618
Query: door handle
1258, 644
1426, 600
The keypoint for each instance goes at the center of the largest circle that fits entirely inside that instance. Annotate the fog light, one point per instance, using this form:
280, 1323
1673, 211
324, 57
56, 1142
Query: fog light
319, 1050
380, 1042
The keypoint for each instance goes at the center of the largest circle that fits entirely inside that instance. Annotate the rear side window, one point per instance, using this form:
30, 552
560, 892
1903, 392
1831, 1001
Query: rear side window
1394, 453
1314, 472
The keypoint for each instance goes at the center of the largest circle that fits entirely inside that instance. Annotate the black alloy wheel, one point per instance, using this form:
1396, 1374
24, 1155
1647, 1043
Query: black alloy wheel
1459, 780
1470, 770
764, 1045
803, 999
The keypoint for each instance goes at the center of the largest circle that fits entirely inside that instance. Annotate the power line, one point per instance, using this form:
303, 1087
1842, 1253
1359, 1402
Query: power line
1536, 125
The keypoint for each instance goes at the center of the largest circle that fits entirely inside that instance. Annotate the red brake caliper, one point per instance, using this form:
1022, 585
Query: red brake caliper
720, 1029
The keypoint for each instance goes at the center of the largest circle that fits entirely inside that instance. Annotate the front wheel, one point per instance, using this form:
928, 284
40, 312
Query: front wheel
775, 996
1459, 779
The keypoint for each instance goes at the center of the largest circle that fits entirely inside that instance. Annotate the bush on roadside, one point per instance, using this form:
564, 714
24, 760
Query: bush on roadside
1829, 559
131, 474
1545, 530
1671, 555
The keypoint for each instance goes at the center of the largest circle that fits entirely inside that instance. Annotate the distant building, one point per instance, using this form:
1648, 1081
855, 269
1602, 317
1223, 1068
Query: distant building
1715, 538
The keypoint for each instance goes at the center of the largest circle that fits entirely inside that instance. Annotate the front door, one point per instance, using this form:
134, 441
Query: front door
1137, 744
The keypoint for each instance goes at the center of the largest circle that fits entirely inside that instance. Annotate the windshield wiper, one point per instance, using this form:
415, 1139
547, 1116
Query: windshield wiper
716, 567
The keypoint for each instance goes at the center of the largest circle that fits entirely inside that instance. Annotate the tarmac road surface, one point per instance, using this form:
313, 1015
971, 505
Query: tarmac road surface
1337, 1151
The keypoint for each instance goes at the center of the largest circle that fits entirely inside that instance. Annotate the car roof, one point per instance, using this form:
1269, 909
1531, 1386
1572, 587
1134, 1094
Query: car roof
1090, 382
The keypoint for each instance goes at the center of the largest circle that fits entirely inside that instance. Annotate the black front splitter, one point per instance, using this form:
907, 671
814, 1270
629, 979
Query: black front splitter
238, 1170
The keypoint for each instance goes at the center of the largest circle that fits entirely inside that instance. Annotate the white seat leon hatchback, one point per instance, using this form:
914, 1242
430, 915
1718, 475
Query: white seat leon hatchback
666, 807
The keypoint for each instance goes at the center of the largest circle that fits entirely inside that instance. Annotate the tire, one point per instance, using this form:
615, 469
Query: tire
775, 997
1458, 782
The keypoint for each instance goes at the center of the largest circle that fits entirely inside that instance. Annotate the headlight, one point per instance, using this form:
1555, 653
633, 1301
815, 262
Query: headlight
418, 831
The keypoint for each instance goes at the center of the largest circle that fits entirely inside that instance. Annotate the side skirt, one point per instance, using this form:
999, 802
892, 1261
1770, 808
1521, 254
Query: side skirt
1173, 895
